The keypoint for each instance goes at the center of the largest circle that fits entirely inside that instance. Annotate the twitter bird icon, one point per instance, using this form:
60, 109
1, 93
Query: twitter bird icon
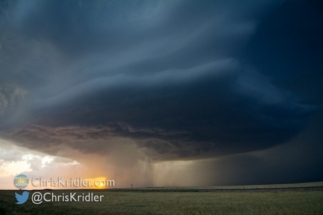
21, 198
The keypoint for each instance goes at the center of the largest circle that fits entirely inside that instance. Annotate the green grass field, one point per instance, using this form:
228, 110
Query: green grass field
181, 201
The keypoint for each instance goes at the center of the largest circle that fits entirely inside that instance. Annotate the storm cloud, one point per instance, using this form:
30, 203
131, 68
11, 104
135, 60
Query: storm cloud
175, 80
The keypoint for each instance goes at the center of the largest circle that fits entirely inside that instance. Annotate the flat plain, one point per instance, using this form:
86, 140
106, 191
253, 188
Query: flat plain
293, 199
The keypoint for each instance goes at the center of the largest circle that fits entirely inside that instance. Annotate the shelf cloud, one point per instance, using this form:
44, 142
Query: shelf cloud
170, 80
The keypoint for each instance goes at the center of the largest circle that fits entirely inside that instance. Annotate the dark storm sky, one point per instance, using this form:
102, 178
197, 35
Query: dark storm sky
182, 80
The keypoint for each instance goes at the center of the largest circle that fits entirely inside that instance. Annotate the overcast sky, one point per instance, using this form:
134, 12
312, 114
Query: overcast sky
162, 92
